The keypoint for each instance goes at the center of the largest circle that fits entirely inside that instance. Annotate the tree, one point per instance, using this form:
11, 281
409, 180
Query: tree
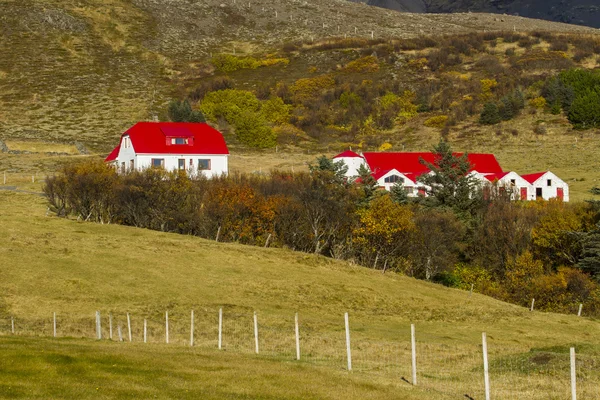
584, 112
450, 184
399, 194
383, 231
181, 111
252, 130
589, 259
434, 244
490, 114
326, 166
367, 184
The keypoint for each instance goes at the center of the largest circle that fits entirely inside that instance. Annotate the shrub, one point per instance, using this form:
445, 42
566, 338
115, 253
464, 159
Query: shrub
538, 102
230, 63
276, 111
181, 111
251, 129
307, 88
490, 114
215, 84
362, 65
436, 122
228, 104
487, 85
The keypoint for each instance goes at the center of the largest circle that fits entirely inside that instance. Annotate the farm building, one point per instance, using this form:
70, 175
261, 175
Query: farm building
405, 168
193, 147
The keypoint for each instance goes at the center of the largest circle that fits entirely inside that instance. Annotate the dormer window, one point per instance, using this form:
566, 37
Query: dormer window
179, 140
393, 179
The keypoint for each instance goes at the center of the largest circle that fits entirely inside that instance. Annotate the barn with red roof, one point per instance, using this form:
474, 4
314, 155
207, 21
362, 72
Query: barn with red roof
193, 147
405, 168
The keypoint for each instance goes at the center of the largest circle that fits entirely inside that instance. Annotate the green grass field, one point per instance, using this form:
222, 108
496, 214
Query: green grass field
74, 268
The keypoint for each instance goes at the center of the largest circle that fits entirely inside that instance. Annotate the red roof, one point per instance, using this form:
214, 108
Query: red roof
348, 153
410, 162
533, 177
495, 176
151, 138
113, 154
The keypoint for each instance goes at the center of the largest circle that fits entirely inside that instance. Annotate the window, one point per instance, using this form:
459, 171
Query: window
409, 189
158, 162
512, 182
549, 182
126, 142
393, 179
123, 166
131, 163
179, 140
204, 164
181, 163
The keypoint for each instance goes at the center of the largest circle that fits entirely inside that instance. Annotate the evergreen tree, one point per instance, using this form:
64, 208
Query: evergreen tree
584, 112
450, 184
324, 164
367, 184
399, 194
589, 260
490, 114
181, 111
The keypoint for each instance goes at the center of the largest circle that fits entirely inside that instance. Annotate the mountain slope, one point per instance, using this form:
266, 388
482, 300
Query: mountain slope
580, 12
86, 70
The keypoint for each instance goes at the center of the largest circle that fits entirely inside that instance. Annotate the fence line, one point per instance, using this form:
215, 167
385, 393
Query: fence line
444, 370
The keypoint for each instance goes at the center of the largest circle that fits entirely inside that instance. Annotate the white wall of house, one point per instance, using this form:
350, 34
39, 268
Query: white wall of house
353, 164
218, 163
126, 155
549, 185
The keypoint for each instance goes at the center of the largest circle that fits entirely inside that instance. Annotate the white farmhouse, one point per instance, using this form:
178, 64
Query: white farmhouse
512, 182
546, 185
193, 147
408, 168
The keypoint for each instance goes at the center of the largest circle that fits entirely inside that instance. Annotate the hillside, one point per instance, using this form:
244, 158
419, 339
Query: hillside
85, 70
55, 265
580, 12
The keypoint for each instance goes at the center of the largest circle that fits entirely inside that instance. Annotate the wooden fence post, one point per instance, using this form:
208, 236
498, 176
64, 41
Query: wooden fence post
192, 330
573, 375
98, 326
12, 325
580, 308
220, 328
145, 331
119, 333
348, 353
167, 327
255, 332
532, 304
129, 326
413, 345
297, 339
54, 324
110, 326
486, 374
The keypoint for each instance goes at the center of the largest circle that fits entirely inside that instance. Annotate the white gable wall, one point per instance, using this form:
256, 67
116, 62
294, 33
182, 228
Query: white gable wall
126, 154
353, 164
549, 191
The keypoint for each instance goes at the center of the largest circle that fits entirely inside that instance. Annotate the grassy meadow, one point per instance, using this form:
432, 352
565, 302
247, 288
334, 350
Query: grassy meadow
74, 268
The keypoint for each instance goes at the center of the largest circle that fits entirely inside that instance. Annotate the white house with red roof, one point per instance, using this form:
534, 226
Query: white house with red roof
546, 185
193, 147
405, 168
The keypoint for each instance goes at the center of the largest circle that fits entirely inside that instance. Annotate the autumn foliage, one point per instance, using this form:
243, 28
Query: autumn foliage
514, 251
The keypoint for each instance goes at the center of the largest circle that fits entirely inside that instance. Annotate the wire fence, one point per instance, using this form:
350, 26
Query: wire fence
444, 369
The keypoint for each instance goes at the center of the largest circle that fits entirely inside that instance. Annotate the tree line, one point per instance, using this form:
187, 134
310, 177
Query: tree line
458, 236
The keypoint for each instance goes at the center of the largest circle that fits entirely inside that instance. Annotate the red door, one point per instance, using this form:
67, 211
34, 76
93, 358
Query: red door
523, 193
560, 193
